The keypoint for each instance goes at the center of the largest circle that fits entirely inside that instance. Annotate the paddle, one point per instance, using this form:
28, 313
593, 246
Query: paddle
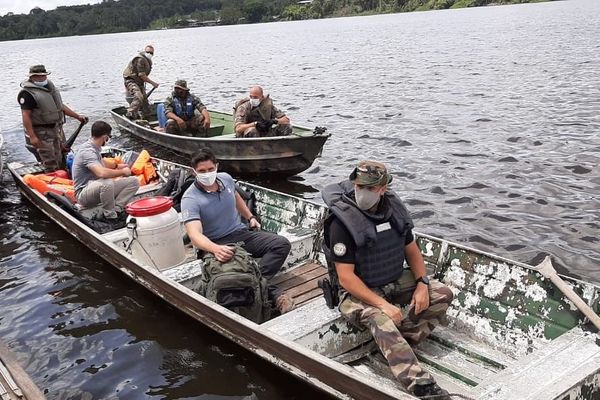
547, 270
72, 138
151, 90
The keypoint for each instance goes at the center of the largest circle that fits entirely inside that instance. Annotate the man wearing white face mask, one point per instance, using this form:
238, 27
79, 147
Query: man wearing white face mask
256, 116
43, 115
368, 237
135, 75
211, 209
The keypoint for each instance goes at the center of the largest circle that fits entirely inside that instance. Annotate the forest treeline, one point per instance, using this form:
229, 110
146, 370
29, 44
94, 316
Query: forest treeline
133, 15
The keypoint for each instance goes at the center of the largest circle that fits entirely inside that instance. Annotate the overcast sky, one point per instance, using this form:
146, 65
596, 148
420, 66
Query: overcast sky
24, 6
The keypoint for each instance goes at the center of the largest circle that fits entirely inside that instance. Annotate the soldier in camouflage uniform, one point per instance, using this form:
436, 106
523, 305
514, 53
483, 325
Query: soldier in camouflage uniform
369, 236
256, 116
135, 76
43, 115
185, 112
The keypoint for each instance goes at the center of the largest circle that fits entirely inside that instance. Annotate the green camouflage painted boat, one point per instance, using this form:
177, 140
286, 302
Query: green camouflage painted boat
269, 156
512, 335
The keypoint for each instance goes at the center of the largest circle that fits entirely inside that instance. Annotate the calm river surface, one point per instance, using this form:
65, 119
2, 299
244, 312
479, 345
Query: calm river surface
489, 119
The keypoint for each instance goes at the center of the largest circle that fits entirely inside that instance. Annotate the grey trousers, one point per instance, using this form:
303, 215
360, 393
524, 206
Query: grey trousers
109, 194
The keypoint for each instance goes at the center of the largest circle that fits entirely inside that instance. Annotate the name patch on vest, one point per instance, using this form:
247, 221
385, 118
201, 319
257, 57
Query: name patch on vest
383, 227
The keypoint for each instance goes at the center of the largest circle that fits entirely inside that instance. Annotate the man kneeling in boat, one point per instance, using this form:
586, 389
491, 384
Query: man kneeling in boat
369, 234
212, 209
256, 116
185, 112
93, 180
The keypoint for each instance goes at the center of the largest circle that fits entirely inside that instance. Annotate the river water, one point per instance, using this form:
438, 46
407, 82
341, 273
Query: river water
488, 118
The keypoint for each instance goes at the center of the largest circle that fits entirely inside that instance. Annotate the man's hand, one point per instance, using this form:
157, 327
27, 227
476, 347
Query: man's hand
254, 224
420, 298
206, 123
35, 141
83, 119
393, 312
126, 171
223, 253
180, 123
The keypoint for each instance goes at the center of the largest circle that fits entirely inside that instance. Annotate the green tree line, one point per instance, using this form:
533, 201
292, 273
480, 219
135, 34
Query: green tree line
133, 15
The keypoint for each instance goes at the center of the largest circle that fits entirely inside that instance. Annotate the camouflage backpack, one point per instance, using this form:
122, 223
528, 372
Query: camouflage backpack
237, 285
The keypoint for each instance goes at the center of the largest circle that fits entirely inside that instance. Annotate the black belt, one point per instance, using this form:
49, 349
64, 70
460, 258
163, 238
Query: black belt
44, 126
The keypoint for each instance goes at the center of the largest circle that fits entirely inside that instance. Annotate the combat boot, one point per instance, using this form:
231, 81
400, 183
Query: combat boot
431, 391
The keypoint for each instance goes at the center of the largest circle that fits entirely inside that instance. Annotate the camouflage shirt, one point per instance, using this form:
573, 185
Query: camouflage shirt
137, 68
244, 113
196, 104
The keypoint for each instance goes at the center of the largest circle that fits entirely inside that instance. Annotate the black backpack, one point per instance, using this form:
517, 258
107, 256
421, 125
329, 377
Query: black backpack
237, 285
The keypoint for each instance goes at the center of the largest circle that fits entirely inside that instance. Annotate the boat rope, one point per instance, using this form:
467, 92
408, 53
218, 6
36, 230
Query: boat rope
133, 227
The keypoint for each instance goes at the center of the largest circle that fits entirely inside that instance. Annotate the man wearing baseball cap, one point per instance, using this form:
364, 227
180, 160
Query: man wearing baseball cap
43, 115
368, 237
185, 112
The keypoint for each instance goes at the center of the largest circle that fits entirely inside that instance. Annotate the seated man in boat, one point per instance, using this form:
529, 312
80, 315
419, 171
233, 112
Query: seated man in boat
93, 181
135, 76
211, 210
256, 116
369, 236
185, 112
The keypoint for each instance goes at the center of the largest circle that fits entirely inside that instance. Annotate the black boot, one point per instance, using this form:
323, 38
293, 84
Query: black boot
431, 391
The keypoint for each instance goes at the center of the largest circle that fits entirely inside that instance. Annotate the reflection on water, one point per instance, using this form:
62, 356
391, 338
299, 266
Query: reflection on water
487, 118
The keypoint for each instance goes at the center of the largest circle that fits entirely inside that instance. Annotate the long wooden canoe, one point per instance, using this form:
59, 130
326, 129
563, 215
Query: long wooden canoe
267, 156
512, 334
15, 384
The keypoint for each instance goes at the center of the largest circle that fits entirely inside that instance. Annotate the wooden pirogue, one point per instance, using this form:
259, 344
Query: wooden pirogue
512, 334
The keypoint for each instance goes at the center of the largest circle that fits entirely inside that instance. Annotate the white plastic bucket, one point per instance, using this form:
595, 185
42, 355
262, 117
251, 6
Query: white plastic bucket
155, 231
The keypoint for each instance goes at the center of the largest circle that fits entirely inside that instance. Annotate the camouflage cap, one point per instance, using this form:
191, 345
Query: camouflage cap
370, 173
181, 84
38, 70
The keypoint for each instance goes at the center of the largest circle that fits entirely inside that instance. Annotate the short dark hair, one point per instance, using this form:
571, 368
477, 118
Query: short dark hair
100, 128
204, 154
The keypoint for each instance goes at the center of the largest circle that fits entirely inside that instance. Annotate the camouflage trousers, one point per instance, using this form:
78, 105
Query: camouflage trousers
139, 107
395, 341
279, 130
49, 154
193, 126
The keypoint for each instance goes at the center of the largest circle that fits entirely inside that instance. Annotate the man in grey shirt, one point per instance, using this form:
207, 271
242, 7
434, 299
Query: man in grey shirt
94, 183
211, 210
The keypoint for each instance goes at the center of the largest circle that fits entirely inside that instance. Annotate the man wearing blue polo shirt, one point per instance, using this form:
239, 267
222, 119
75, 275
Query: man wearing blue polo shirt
212, 210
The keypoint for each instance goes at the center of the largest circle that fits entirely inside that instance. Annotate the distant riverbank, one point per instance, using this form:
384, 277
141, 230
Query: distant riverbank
112, 16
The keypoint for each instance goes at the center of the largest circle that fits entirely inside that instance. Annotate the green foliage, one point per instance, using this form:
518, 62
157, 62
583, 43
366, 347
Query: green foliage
133, 15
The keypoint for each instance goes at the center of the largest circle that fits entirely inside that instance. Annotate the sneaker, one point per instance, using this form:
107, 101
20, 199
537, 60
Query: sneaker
284, 303
431, 391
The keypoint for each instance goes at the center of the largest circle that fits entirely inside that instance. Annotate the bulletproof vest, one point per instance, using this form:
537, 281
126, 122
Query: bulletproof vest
131, 71
260, 113
184, 110
379, 238
49, 103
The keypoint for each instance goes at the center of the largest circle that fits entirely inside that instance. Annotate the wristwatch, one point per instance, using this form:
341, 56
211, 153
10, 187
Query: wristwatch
424, 279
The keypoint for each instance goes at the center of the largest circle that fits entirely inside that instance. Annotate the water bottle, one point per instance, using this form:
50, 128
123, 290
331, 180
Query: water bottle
160, 115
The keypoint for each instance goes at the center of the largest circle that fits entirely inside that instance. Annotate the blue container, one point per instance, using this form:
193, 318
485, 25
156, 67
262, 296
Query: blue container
70, 158
160, 115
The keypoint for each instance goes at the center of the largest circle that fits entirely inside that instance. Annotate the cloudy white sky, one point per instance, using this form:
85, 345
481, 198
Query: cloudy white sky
24, 6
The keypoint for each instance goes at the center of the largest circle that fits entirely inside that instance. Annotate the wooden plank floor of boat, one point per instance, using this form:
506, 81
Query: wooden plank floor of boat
301, 282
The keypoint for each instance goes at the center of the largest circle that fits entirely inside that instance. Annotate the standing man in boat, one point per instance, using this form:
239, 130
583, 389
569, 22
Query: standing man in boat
256, 116
369, 237
211, 210
135, 75
93, 181
43, 115
186, 112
